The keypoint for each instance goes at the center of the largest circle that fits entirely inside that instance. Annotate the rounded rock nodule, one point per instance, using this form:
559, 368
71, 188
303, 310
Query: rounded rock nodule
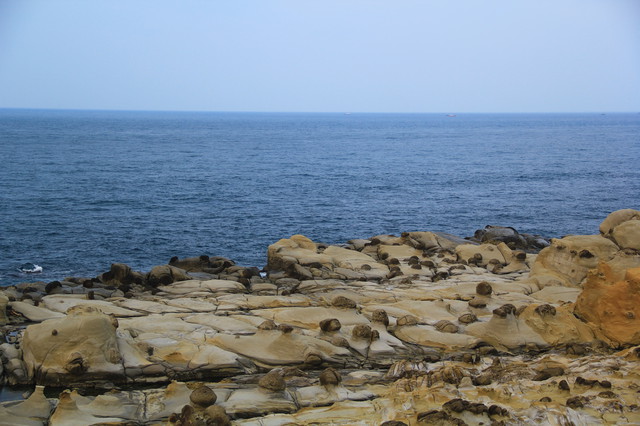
343, 302
380, 315
330, 376
203, 396
484, 288
272, 381
467, 318
362, 331
329, 325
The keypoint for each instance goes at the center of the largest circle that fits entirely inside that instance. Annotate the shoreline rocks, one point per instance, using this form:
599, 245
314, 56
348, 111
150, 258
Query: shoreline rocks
329, 334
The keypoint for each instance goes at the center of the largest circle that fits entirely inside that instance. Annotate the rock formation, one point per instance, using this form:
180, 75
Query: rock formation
424, 328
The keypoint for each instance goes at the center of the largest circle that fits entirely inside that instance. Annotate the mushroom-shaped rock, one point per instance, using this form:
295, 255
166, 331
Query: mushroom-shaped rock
343, 302
478, 302
330, 376
504, 310
467, 318
329, 325
203, 396
361, 331
445, 326
217, 416
484, 288
380, 315
407, 320
268, 325
273, 381
166, 274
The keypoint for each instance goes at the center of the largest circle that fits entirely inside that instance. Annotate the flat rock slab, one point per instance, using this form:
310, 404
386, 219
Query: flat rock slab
167, 325
310, 317
428, 336
194, 304
211, 286
223, 324
264, 302
315, 396
34, 313
277, 348
257, 401
557, 294
147, 306
61, 303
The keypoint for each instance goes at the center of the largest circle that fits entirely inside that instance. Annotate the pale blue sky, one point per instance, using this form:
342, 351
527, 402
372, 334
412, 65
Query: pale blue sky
324, 55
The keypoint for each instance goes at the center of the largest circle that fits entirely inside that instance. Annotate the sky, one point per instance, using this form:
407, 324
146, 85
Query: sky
321, 56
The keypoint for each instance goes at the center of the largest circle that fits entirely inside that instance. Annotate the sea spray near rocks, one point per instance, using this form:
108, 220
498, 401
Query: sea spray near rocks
350, 333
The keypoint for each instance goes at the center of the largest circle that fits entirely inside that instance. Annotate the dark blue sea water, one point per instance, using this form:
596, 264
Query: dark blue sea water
82, 189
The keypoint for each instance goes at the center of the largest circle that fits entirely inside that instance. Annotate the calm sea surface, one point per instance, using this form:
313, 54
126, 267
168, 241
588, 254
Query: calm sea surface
82, 189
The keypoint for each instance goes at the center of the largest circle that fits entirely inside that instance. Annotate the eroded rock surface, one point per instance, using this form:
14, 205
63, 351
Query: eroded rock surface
424, 328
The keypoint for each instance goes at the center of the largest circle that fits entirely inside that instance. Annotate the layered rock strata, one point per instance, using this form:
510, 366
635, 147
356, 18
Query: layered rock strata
424, 328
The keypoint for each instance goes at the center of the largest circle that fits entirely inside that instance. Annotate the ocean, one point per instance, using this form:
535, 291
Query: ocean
80, 190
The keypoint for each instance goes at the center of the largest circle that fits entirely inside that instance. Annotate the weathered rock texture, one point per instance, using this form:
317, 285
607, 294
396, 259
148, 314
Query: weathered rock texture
424, 328
612, 306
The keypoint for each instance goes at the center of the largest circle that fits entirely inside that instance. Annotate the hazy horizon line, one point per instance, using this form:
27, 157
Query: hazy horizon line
344, 112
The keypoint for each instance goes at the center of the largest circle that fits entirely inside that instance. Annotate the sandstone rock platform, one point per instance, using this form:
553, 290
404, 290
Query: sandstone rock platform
422, 328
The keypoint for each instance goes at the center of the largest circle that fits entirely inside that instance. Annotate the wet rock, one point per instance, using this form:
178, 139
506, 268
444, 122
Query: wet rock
119, 275
165, 274
54, 287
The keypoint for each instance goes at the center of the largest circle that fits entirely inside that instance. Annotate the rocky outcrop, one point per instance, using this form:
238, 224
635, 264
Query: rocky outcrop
204, 263
417, 329
567, 260
165, 274
512, 238
616, 218
79, 347
610, 306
